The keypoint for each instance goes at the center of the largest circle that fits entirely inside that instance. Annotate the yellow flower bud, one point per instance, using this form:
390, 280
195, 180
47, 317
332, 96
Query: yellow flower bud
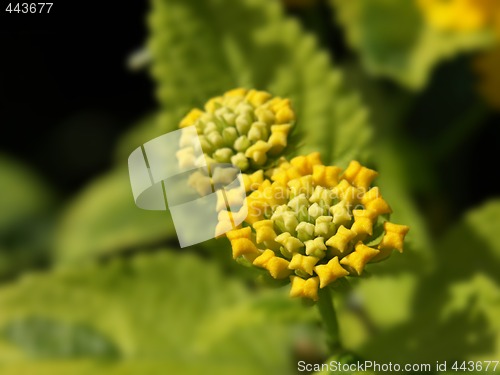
316, 247
264, 231
213, 104
239, 92
359, 176
278, 138
348, 193
363, 222
191, 118
341, 240
394, 236
257, 98
373, 201
304, 288
358, 259
285, 115
242, 244
326, 175
301, 185
277, 267
330, 272
289, 242
340, 213
253, 181
303, 263
257, 152
323, 226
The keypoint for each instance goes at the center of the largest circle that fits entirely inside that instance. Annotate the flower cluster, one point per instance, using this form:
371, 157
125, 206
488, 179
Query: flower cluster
301, 220
315, 224
247, 128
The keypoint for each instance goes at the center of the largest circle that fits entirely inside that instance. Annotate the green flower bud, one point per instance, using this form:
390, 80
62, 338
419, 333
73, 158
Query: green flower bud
223, 155
229, 135
242, 143
240, 161
305, 231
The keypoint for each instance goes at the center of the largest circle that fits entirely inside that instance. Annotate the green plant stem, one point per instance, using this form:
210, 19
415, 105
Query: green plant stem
329, 318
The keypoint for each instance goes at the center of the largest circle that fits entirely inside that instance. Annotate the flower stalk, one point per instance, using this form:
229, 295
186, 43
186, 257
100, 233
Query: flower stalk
328, 314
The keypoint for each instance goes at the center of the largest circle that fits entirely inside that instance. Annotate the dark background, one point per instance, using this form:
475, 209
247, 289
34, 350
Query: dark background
65, 92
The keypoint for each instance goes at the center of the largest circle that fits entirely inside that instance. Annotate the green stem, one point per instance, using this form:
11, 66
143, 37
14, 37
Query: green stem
329, 318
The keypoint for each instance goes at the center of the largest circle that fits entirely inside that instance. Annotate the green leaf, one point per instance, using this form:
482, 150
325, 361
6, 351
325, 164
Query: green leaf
25, 207
103, 219
394, 40
395, 185
163, 312
42, 337
254, 45
459, 302
473, 244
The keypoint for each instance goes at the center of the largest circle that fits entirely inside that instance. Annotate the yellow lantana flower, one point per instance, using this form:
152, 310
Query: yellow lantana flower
316, 223
247, 128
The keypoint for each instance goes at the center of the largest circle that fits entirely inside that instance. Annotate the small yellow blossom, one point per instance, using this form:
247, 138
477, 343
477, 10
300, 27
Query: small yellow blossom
191, 118
363, 222
359, 176
304, 288
253, 181
242, 244
347, 192
373, 201
330, 272
265, 231
394, 236
279, 138
258, 152
341, 240
316, 247
277, 267
326, 176
303, 263
290, 243
358, 259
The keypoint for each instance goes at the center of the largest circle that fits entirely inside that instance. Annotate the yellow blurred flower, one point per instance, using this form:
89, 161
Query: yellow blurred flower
459, 15
469, 16
316, 223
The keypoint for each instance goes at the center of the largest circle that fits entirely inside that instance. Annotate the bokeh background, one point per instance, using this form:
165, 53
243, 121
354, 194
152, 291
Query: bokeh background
90, 284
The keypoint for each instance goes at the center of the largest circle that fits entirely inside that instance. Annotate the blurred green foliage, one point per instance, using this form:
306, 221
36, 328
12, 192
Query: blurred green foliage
115, 295
394, 40
25, 218
170, 311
